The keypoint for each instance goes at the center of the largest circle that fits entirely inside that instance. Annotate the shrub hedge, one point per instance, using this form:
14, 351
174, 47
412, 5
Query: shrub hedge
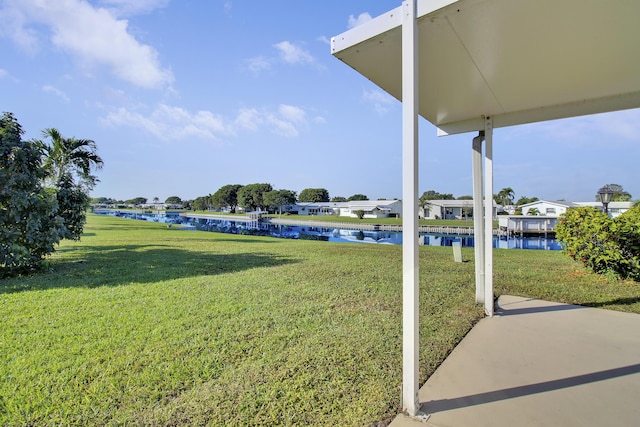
604, 245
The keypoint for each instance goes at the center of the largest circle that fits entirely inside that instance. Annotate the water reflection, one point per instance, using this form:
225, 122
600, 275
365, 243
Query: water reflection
330, 234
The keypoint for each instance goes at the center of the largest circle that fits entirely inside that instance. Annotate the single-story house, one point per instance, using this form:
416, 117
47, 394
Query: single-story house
449, 209
555, 209
371, 208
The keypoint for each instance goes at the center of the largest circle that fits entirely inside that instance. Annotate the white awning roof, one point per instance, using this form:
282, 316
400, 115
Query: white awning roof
518, 61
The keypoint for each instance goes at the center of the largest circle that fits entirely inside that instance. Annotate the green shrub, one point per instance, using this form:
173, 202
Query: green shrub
604, 245
626, 232
29, 226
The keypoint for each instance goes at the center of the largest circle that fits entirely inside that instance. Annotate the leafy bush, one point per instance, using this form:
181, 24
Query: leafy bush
29, 226
604, 245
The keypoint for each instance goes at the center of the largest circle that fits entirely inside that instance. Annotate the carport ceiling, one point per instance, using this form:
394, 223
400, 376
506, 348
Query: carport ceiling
519, 61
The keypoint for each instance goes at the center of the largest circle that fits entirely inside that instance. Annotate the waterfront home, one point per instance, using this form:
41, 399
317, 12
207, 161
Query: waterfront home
557, 208
449, 209
370, 208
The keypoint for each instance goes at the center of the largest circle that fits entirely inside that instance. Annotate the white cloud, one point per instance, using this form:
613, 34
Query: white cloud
381, 101
227, 7
93, 36
249, 118
55, 91
133, 7
259, 63
174, 123
361, 19
293, 54
3, 73
292, 113
325, 40
171, 123
606, 129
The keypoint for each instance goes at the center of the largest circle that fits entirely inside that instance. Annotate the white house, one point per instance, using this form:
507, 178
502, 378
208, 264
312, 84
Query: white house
546, 208
615, 208
449, 209
371, 208
555, 209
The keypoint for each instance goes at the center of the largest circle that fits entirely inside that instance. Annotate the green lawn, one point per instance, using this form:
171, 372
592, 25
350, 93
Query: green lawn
139, 324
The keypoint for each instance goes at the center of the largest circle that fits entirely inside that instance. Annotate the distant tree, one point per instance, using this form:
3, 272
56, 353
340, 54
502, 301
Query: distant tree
524, 200
250, 197
505, 196
226, 196
202, 203
173, 200
339, 199
465, 198
278, 198
356, 197
359, 213
619, 195
156, 199
312, 195
136, 201
102, 200
29, 224
434, 195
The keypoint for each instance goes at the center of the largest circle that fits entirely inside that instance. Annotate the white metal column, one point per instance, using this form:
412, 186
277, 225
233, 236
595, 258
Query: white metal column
410, 276
478, 216
488, 217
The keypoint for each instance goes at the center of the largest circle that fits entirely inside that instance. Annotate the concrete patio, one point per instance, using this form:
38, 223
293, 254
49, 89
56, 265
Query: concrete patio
538, 363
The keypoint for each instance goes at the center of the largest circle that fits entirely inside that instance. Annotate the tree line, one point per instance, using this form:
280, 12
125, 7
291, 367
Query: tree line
262, 196
44, 193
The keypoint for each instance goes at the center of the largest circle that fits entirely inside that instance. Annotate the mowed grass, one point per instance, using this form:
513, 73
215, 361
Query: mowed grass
139, 324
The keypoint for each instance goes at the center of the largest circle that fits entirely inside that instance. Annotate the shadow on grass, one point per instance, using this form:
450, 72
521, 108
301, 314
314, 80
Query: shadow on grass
122, 265
618, 301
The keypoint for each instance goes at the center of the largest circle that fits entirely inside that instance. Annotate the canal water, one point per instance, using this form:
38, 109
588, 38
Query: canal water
330, 234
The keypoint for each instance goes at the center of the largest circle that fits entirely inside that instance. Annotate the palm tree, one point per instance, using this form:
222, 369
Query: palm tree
505, 196
76, 157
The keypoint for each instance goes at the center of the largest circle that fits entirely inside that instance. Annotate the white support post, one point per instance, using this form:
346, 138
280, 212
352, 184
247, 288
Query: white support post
478, 213
410, 276
488, 217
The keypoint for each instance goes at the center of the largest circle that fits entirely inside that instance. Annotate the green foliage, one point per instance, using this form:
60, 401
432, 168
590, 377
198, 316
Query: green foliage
72, 207
505, 196
278, 198
226, 196
618, 193
524, 200
312, 195
338, 199
29, 226
359, 213
137, 201
202, 203
75, 157
434, 195
357, 197
173, 200
533, 212
250, 197
604, 245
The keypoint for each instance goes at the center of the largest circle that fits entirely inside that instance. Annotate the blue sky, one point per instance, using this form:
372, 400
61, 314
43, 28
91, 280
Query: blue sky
185, 96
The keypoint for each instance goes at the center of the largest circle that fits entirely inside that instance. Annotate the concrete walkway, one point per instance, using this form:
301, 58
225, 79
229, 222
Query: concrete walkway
538, 363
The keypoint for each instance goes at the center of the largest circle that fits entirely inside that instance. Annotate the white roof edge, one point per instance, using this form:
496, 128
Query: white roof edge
368, 30
625, 101
383, 23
